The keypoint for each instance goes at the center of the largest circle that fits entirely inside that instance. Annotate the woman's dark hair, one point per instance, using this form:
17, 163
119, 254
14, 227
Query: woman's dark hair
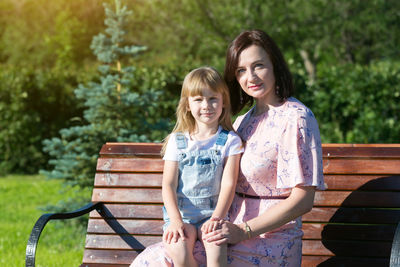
283, 77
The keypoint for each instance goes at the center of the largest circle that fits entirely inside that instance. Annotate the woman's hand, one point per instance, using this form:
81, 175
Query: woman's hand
228, 233
174, 231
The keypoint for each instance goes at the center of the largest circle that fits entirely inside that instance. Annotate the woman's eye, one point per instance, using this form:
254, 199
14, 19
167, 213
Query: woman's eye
240, 71
259, 65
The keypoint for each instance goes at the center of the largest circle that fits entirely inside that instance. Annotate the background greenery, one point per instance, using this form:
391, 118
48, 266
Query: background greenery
60, 244
344, 55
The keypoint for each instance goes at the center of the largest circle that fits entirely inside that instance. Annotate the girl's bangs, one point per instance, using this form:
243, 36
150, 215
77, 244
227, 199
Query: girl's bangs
196, 87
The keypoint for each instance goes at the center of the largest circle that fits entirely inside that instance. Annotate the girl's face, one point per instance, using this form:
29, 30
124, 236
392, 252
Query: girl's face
255, 74
206, 108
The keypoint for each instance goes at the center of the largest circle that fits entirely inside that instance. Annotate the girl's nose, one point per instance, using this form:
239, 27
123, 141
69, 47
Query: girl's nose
204, 103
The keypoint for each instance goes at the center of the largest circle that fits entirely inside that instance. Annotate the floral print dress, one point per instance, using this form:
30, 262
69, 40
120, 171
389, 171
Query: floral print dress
282, 150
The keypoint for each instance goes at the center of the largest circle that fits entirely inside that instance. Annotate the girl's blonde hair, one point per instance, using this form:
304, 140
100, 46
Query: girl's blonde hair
193, 85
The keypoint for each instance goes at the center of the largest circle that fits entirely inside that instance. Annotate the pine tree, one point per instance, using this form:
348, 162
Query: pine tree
116, 109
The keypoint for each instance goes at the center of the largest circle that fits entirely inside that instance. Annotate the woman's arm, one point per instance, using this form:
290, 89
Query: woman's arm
169, 186
228, 185
299, 202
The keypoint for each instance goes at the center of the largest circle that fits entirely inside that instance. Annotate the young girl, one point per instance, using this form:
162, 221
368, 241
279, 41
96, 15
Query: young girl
201, 168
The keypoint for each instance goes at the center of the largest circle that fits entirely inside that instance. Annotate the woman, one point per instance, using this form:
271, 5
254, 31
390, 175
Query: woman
281, 166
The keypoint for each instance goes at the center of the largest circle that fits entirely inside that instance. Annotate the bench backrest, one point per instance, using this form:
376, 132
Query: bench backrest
352, 223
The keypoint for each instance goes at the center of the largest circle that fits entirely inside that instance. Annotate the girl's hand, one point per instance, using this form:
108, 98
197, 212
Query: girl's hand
211, 225
174, 231
228, 233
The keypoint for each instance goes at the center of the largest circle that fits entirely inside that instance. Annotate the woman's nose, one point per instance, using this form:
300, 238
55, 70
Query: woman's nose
252, 75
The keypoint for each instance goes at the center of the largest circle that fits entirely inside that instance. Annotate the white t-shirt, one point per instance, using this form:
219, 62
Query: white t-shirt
232, 146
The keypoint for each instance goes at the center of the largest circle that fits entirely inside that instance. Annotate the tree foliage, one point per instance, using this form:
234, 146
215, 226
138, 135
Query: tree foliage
115, 110
343, 55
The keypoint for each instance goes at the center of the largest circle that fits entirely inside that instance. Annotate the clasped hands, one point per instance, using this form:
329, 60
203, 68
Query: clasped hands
214, 230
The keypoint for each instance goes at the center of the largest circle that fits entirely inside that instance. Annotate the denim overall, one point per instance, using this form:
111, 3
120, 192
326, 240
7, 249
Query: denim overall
199, 180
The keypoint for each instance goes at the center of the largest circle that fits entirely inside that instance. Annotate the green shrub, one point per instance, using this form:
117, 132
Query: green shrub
34, 105
122, 105
357, 104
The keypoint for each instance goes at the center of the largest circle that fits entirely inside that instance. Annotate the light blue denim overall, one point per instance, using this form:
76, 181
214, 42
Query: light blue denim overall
199, 180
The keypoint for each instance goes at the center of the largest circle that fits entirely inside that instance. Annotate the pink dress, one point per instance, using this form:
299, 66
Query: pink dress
282, 150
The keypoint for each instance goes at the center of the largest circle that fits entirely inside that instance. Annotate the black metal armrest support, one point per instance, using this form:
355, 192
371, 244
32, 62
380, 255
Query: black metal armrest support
395, 253
42, 221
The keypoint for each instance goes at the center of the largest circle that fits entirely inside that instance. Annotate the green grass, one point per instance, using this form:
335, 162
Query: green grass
60, 244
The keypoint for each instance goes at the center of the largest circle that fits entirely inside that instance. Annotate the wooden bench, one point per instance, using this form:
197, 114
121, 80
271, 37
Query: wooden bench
353, 222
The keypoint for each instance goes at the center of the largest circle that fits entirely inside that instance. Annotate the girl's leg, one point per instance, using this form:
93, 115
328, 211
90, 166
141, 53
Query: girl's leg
217, 256
181, 252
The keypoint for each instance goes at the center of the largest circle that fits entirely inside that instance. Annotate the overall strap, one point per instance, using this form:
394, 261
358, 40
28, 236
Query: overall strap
222, 137
181, 142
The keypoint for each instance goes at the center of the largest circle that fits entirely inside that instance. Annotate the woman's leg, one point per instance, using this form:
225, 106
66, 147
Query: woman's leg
181, 252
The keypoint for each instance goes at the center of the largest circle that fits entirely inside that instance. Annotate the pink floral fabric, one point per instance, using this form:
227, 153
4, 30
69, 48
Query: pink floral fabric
282, 150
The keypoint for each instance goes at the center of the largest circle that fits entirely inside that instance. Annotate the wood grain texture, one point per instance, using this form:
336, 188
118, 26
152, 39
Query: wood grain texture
129, 165
123, 195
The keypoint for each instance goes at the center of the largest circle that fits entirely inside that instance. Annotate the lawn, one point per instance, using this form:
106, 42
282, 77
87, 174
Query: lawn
21, 200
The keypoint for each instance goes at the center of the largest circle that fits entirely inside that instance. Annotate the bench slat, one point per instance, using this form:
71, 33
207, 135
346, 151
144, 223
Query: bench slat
349, 232
308, 261
333, 182
127, 179
130, 211
130, 165
322, 198
361, 150
132, 195
352, 215
109, 256
311, 230
362, 182
317, 214
310, 247
148, 227
346, 248
120, 241
361, 166
357, 199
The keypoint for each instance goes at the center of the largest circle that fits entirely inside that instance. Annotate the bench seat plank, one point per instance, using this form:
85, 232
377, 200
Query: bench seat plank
130, 164
132, 195
322, 198
128, 179
118, 256
311, 230
347, 248
353, 215
308, 260
317, 214
361, 166
125, 241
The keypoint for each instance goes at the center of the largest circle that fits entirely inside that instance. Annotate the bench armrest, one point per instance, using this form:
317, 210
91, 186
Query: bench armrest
395, 253
41, 223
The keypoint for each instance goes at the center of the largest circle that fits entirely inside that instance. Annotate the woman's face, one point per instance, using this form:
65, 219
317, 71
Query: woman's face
255, 74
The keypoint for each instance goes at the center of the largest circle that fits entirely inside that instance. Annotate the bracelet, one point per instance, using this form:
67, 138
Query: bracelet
248, 230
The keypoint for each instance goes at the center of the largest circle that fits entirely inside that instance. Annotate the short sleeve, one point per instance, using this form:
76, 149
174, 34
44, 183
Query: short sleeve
300, 154
171, 151
234, 145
